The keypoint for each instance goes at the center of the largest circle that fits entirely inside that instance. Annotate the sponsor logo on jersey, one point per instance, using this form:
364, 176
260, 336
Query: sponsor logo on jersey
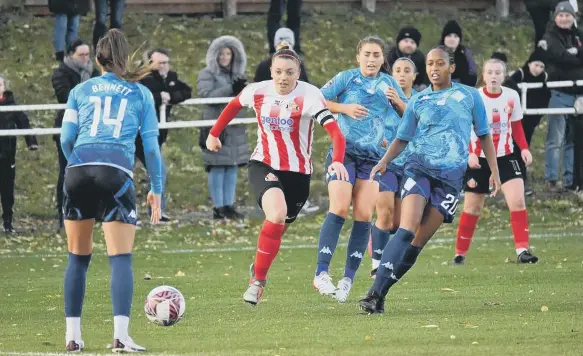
278, 123
270, 177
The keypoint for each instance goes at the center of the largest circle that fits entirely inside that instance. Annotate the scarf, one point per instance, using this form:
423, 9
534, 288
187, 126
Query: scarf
84, 70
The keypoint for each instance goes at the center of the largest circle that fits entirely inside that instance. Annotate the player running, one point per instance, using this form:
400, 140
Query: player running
389, 201
100, 125
437, 123
280, 167
505, 118
368, 104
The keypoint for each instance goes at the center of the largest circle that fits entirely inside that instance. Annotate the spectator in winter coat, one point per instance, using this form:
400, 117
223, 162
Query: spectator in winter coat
166, 89
465, 65
77, 67
116, 8
408, 41
562, 41
282, 36
67, 13
10, 120
223, 76
533, 71
540, 11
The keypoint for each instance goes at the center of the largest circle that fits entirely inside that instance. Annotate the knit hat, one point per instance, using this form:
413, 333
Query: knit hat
500, 56
451, 27
409, 32
564, 6
284, 34
539, 54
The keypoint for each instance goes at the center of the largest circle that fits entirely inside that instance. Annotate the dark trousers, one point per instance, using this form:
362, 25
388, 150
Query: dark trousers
577, 126
529, 123
276, 7
540, 15
61, 179
7, 177
116, 8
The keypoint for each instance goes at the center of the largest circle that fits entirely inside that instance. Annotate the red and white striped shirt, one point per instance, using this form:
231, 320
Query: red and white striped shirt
502, 109
285, 124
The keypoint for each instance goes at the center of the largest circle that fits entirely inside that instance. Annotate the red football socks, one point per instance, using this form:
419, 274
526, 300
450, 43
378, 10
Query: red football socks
519, 222
267, 247
465, 233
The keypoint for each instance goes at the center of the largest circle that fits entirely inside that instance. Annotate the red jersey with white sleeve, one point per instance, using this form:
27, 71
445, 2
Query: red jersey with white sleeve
285, 124
504, 114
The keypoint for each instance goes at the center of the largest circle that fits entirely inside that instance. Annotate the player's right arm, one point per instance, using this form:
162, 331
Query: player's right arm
70, 125
245, 98
333, 89
482, 130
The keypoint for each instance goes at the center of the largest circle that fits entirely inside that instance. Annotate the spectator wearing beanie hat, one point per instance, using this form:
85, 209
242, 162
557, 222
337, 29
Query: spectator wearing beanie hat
564, 61
408, 41
540, 11
465, 65
283, 36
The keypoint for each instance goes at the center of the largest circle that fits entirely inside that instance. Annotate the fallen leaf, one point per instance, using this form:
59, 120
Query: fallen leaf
368, 338
147, 277
447, 290
180, 274
452, 337
430, 326
475, 343
544, 308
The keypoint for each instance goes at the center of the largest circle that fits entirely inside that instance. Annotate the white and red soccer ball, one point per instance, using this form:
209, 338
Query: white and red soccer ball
164, 306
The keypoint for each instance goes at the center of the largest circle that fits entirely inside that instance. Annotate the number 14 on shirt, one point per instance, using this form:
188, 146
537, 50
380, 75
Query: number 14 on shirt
96, 100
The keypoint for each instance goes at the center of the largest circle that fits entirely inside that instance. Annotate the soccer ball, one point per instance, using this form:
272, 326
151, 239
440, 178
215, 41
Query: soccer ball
164, 306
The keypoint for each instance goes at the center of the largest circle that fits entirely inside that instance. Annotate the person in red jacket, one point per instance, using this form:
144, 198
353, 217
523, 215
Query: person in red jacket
505, 116
280, 167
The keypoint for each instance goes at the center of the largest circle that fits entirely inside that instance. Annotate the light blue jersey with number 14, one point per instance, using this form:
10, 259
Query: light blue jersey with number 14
109, 113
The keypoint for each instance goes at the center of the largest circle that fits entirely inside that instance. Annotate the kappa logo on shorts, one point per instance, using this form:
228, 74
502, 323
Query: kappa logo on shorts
133, 214
270, 177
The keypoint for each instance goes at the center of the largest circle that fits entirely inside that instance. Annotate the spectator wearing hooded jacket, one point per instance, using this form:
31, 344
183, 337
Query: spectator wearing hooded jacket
10, 120
465, 66
67, 13
223, 76
283, 36
77, 67
408, 41
564, 56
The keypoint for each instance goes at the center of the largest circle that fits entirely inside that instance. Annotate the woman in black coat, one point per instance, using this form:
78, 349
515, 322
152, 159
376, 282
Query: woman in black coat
466, 71
67, 13
10, 120
76, 68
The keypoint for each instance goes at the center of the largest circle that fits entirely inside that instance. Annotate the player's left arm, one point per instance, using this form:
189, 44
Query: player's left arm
518, 131
482, 130
149, 133
70, 125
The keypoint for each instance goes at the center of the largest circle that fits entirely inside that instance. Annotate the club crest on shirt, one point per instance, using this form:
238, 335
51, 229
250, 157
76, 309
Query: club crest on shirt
270, 177
292, 107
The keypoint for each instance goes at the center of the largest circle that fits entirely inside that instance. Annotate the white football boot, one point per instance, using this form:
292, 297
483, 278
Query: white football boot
343, 290
127, 345
323, 283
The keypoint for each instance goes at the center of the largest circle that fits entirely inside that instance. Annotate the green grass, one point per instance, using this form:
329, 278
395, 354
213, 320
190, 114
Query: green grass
493, 303
329, 40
